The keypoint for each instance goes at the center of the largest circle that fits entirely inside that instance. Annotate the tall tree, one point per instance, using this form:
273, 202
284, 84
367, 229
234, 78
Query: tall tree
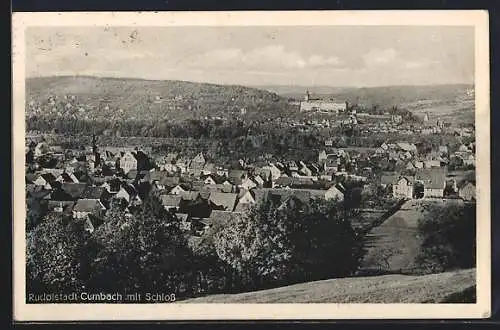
55, 255
146, 252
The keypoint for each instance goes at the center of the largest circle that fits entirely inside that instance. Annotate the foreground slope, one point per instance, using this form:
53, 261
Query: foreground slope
435, 288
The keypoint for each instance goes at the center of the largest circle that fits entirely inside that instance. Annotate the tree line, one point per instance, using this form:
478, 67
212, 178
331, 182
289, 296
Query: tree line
148, 252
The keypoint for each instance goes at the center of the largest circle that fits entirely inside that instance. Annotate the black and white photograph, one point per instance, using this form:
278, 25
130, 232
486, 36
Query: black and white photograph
187, 163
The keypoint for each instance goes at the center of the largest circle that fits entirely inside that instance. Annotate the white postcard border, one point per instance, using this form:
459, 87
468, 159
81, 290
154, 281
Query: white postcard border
94, 312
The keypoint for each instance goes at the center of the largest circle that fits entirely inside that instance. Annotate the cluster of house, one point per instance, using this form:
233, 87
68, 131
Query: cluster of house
432, 182
406, 154
92, 182
411, 171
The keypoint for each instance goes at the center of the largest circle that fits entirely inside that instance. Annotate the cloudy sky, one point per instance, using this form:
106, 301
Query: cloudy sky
331, 56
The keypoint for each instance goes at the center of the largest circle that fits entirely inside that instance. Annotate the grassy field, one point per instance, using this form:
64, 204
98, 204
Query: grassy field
435, 288
394, 245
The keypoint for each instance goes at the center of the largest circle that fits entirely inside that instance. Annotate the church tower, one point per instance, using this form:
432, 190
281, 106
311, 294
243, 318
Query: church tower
95, 151
307, 97
426, 116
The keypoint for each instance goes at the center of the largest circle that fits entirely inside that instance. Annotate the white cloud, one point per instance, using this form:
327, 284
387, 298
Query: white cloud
376, 57
271, 57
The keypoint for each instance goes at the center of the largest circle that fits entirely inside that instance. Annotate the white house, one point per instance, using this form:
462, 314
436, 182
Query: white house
128, 162
403, 187
247, 184
322, 156
177, 190
334, 193
275, 172
209, 181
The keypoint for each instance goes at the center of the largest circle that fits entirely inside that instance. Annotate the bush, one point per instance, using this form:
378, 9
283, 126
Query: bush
276, 246
448, 238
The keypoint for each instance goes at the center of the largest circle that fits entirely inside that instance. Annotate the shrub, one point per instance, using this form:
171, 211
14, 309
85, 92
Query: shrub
448, 238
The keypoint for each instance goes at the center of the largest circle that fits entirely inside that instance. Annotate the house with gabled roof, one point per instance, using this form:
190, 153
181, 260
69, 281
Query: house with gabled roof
434, 181
75, 190
223, 201
248, 184
184, 221
197, 163
245, 201
84, 207
177, 190
208, 168
171, 202
128, 161
388, 179
274, 171
403, 187
467, 190
334, 193
46, 180
217, 188
112, 186
67, 177
60, 206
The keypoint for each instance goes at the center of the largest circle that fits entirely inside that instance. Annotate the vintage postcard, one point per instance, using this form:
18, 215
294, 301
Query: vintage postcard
251, 165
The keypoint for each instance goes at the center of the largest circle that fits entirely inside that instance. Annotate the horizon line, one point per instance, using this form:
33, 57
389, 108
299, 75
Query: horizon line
250, 85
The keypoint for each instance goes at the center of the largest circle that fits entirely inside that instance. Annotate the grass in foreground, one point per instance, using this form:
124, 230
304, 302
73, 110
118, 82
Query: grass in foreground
456, 286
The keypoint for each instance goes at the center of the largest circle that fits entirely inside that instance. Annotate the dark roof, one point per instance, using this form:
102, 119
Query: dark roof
169, 181
284, 181
115, 184
49, 177
91, 192
463, 184
66, 177
216, 178
87, 205
30, 177
39, 192
225, 200
75, 190
432, 177
66, 205
218, 187
388, 178
130, 189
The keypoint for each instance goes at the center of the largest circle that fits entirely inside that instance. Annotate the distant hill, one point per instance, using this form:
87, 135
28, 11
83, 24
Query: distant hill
384, 95
117, 98
454, 103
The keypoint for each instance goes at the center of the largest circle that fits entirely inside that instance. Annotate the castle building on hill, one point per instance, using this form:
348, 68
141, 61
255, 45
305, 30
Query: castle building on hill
309, 104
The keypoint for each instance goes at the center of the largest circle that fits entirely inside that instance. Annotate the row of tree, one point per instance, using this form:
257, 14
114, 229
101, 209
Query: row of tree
147, 251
